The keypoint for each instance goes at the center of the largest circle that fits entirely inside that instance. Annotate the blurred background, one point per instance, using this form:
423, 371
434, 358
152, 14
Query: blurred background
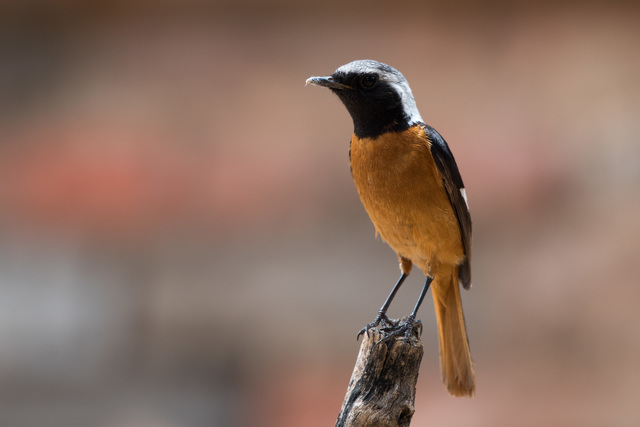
181, 244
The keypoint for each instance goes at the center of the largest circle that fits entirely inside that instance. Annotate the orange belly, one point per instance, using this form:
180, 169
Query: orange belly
401, 190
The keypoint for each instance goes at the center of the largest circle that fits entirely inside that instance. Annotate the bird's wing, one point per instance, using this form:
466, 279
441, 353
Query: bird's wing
452, 182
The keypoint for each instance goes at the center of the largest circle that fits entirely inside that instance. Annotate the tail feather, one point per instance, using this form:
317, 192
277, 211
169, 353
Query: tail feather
455, 358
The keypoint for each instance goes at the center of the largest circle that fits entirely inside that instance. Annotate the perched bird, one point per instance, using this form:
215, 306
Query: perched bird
410, 186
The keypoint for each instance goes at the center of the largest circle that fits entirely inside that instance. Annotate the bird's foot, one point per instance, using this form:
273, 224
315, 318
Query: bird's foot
381, 319
406, 327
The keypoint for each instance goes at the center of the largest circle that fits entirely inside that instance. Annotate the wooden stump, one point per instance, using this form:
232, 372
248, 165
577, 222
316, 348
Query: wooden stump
382, 388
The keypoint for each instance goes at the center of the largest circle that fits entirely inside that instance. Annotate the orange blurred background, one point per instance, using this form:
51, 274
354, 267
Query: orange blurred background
182, 246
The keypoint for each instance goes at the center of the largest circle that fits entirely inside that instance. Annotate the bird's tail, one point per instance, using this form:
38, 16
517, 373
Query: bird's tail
455, 358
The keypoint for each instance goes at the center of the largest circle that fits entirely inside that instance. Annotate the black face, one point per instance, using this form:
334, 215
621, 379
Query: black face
375, 106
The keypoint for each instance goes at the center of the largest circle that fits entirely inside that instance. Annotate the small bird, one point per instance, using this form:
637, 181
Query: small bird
410, 186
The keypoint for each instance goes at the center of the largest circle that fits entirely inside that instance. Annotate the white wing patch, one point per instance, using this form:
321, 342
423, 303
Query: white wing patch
464, 196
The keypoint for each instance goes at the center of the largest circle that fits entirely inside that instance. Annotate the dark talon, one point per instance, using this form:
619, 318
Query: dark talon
405, 327
381, 319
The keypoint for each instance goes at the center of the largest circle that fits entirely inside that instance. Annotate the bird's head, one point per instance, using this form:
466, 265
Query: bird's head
376, 95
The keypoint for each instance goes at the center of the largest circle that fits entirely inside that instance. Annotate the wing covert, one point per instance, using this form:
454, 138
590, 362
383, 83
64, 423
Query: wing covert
452, 182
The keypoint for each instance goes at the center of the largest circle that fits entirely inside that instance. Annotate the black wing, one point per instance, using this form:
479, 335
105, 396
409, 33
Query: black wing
452, 182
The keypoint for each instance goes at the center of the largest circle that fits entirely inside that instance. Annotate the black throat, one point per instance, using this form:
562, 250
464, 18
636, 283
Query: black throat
378, 114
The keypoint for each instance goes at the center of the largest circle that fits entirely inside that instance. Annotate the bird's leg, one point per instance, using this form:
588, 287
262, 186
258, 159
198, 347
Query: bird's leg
381, 318
407, 326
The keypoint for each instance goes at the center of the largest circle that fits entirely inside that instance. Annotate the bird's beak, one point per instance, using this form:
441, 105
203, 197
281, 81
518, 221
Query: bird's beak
326, 82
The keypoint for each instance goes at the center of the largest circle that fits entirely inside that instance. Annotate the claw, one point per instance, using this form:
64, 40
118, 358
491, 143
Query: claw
405, 328
393, 329
381, 319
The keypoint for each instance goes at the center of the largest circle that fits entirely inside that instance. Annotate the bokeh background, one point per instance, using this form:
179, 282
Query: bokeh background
181, 244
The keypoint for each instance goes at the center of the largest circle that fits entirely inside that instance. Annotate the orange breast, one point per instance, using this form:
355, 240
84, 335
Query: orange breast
401, 190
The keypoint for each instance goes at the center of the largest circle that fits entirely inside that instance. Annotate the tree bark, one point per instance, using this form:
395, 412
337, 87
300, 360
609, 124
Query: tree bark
382, 388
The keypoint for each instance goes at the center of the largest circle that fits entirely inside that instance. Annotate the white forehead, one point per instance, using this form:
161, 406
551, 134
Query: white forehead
388, 74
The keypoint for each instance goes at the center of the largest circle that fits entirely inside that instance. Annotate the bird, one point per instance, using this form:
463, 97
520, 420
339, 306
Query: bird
410, 186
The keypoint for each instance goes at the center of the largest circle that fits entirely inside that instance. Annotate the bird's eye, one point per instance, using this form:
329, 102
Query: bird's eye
369, 80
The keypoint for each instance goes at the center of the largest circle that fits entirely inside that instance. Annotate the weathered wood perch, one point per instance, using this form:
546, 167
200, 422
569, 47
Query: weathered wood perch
382, 388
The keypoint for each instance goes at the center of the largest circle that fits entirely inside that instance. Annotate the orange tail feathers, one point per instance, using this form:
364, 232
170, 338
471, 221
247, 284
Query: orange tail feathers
455, 358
